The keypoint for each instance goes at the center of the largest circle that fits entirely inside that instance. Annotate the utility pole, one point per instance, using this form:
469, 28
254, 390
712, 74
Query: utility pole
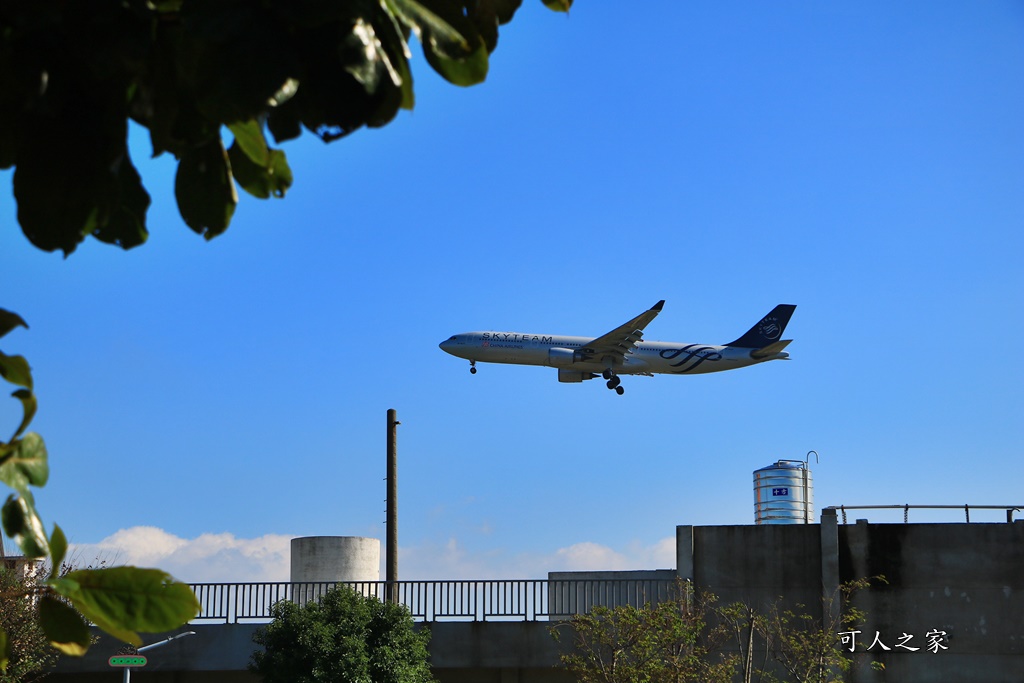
391, 550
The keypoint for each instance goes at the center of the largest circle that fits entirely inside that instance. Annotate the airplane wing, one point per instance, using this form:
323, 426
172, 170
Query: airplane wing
620, 341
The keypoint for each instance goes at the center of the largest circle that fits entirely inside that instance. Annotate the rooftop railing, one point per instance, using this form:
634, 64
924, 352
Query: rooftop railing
494, 600
1008, 509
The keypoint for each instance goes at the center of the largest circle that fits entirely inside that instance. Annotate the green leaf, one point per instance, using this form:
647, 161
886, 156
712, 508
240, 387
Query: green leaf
466, 71
236, 56
125, 600
58, 549
365, 59
28, 405
9, 320
64, 627
5, 650
26, 464
205, 192
249, 138
558, 5
451, 43
273, 179
15, 369
422, 20
72, 175
58, 187
486, 15
21, 522
261, 171
126, 226
394, 44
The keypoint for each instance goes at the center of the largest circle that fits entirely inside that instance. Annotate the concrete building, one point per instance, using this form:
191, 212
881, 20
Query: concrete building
965, 581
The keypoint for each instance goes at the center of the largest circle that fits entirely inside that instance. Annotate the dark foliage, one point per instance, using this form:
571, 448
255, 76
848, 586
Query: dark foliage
344, 636
74, 73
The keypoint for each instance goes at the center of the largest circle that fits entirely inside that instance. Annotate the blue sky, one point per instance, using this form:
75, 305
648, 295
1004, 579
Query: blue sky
864, 161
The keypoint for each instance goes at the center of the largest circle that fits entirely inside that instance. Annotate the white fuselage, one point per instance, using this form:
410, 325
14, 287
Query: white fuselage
649, 357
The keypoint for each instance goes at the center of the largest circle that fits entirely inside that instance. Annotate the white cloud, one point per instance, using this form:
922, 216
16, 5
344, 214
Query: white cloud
591, 557
206, 559
222, 557
453, 561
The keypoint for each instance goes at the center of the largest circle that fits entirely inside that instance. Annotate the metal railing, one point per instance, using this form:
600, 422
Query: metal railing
1009, 509
517, 599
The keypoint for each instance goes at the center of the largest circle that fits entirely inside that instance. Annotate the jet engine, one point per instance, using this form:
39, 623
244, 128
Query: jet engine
562, 358
574, 376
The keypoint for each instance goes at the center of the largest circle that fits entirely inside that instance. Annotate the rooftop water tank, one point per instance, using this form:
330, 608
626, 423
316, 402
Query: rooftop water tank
784, 493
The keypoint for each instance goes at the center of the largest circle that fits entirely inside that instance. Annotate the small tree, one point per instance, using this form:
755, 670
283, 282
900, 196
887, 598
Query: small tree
808, 647
668, 642
345, 636
744, 622
681, 640
28, 650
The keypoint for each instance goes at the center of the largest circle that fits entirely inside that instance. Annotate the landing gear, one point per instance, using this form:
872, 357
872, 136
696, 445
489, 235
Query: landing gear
472, 367
613, 382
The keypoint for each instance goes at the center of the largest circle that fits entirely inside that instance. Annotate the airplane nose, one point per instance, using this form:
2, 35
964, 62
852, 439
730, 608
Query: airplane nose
452, 345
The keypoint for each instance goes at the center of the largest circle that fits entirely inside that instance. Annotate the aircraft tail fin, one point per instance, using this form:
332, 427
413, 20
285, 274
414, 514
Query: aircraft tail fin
768, 330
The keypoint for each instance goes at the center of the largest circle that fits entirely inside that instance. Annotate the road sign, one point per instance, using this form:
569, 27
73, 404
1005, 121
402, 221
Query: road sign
127, 660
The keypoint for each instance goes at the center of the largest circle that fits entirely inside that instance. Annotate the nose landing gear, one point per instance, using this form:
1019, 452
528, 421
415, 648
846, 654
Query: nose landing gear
472, 367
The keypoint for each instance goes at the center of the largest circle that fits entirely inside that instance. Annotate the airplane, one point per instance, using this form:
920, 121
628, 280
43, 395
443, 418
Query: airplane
623, 351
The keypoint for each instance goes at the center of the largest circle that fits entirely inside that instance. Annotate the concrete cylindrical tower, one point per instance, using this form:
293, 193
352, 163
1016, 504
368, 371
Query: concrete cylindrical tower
330, 559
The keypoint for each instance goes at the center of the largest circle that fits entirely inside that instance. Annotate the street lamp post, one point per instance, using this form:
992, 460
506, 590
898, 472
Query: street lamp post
128, 671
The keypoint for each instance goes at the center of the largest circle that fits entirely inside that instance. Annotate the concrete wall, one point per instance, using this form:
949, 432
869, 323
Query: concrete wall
479, 652
495, 652
577, 592
756, 564
218, 652
964, 579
